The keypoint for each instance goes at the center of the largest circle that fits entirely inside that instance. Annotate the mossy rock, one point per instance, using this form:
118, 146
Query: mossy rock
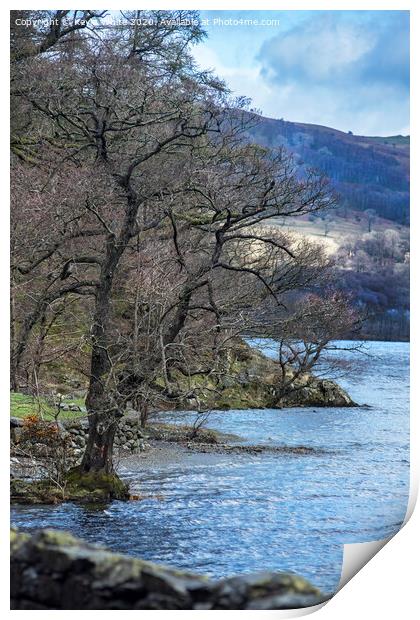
35, 492
94, 486
252, 396
54, 570
255, 384
88, 488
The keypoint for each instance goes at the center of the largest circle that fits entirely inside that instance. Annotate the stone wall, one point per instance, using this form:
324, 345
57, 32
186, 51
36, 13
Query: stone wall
129, 438
54, 570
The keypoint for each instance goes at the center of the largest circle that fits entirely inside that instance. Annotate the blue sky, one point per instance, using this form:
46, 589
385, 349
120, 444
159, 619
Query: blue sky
345, 69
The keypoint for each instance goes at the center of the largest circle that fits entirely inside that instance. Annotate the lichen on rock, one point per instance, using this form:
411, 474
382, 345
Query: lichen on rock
253, 382
89, 488
54, 570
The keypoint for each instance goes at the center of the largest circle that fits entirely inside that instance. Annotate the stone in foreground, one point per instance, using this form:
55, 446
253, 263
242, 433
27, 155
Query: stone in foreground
53, 570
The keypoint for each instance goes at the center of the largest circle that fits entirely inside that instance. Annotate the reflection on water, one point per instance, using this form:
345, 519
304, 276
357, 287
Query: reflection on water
228, 514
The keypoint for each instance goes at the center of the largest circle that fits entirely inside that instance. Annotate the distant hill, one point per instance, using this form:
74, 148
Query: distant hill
368, 172
368, 232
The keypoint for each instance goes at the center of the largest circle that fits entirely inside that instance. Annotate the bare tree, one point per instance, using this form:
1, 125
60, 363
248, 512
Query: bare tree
37, 32
149, 211
313, 326
371, 217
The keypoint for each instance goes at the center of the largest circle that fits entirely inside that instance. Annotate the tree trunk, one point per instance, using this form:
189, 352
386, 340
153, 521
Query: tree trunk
99, 447
95, 478
102, 413
13, 369
22, 342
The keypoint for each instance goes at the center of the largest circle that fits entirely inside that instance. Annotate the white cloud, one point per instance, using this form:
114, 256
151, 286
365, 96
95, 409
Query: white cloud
345, 71
317, 51
242, 81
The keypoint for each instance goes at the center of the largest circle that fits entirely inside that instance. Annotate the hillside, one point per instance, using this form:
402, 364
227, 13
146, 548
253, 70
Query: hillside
333, 229
367, 234
367, 172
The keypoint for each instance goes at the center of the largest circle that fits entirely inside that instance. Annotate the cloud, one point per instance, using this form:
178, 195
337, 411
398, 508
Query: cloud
241, 80
349, 70
389, 60
343, 69
335, 48
318, 51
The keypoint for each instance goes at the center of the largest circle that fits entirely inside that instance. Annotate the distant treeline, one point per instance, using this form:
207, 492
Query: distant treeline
375, 271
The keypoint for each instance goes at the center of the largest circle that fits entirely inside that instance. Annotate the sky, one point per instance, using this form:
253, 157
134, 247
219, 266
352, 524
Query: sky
343, 69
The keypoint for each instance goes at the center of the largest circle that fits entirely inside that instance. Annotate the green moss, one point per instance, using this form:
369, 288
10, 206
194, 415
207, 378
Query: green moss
56, 537
250, 396
92, 487
249, 382
17, 539
35, 492
160, 382
95, 485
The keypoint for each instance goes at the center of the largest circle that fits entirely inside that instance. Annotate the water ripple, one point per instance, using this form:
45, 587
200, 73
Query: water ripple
233, 514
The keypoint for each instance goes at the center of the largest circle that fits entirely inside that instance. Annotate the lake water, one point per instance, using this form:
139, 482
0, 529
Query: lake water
227, 514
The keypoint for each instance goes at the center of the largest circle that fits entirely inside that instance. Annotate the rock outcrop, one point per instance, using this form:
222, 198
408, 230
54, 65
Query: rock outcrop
253, 382
76, 486
317, 393
54, 570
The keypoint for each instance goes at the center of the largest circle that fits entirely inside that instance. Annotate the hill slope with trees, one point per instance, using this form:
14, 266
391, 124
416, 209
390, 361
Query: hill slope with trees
368, 172
366, 232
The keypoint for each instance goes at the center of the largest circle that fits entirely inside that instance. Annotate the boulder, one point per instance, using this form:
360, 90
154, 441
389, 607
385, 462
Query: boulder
253, 382
317, 393
54, 570
85, 488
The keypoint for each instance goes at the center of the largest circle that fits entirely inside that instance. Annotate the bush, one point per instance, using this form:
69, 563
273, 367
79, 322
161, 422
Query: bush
48, 447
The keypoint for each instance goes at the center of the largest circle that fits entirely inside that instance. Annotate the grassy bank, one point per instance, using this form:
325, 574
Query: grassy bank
23, 405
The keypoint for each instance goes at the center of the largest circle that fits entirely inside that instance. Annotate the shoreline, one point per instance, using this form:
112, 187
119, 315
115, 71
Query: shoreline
162, 453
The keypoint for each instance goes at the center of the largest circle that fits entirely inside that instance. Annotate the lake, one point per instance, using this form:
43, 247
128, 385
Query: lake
226, 514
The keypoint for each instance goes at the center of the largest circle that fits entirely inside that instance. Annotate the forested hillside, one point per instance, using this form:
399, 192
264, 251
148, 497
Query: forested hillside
367, 232
368, 173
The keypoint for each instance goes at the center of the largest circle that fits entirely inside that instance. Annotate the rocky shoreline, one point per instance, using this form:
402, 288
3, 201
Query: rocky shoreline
54, 570
34, 489
253, 449
36, 445
132, 439
253, 382
29, 485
